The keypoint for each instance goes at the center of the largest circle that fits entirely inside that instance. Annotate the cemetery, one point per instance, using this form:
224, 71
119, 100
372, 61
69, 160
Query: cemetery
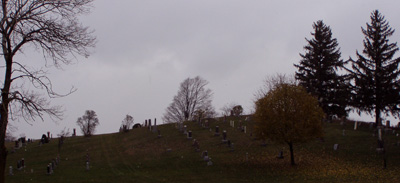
209, 151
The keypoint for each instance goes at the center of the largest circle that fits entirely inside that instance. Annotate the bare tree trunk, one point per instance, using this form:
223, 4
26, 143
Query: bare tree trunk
291, 154
3, 150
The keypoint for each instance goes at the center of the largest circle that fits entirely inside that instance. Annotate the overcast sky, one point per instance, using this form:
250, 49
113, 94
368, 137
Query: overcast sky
145, 49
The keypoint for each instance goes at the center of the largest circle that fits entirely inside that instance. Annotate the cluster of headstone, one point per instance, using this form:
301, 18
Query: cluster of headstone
45, 139
151, 127
20, 164
123, 128
52, 165
20, 142
205, 123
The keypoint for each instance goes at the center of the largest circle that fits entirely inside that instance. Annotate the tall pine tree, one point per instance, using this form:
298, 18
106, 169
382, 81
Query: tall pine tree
317, 71
376, 73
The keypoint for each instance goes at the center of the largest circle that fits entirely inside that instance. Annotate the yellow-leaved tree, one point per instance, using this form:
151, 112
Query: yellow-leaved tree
288, 114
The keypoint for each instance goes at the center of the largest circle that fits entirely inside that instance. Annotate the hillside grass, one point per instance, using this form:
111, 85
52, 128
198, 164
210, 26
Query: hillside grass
139, 156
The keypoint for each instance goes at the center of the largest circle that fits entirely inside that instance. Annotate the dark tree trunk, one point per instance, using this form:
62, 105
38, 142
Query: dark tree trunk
3, 150
291, 154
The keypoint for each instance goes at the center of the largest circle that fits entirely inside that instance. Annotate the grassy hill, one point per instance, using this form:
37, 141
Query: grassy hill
139, 156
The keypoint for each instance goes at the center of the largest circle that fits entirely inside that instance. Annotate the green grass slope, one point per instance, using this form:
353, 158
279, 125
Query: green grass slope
139, 156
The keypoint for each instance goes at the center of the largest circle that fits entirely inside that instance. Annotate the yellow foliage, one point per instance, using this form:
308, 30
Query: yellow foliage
288, 114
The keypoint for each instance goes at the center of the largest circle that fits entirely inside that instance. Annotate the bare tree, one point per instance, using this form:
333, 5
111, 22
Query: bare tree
128, 121
271, 82
192, 98
227, 108
88, 123
52, 28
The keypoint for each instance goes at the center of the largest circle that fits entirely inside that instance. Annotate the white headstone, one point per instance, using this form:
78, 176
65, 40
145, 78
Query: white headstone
335, 147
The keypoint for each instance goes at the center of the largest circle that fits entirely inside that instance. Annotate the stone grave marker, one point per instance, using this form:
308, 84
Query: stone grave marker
159, 134
48, 169
185, 130
245, 129
224, 136
209, 163
11, 170
87, 166
189, 135
196, 145
335, 147
150, 124
205, 156
216, 131
155, 125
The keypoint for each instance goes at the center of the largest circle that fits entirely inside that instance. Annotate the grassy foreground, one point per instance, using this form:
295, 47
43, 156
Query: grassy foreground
139, 156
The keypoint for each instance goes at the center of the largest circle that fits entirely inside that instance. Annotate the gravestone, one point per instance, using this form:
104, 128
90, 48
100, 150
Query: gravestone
11, 170
155, 125
150, 124
355, 125
335, 147
87, 166
196, 145
224, 136
209, 163
48, 171
245, 129
216, 131
185, 130
159, 134
189, 135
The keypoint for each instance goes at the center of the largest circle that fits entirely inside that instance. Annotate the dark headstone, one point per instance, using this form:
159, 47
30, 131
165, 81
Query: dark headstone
224, 136
216, 131
280, 155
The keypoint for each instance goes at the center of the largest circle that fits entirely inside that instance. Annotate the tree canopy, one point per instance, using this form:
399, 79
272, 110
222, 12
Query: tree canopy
376, 73
317, 71
193, 98
288, 114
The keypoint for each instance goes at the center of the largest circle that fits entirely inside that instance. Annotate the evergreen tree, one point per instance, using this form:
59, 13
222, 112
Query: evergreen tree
317, 71
376, 72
